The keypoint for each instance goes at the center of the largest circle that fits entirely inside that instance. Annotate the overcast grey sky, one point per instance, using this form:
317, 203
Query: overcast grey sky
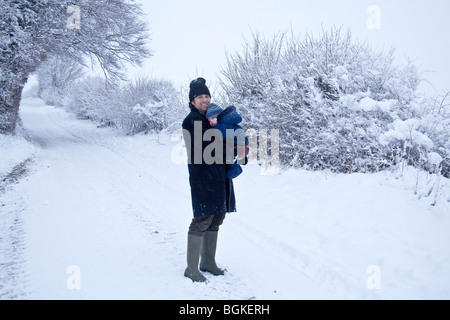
189, 38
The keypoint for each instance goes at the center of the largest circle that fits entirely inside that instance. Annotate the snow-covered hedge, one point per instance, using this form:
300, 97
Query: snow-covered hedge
145, 105
338, 104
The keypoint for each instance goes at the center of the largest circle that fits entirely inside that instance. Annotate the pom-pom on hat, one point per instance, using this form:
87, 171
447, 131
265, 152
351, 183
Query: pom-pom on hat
213, 111
198, 87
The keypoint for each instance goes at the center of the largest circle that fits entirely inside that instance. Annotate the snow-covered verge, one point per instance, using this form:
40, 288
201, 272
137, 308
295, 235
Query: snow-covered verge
105, 216
14, 151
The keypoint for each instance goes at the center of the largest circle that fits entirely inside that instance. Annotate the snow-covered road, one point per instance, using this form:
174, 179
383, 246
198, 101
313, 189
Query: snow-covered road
104, 216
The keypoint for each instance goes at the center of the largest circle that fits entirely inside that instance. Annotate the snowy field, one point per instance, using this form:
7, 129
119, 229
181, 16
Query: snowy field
99, 215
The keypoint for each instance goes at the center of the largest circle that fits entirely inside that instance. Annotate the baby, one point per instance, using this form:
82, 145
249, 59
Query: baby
229, 119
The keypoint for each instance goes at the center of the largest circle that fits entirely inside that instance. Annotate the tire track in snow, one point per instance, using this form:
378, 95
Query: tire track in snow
117, 187
13, 278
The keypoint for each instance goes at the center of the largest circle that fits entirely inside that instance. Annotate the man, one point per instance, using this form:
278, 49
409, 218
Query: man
212, 192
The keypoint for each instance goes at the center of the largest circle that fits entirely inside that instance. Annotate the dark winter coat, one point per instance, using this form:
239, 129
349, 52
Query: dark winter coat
211, 191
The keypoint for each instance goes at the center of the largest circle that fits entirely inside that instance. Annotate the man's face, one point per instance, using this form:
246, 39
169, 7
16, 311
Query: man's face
202, 102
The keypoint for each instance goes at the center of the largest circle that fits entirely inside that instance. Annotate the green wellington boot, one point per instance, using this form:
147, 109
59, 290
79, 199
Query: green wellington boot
193, 256
208, 255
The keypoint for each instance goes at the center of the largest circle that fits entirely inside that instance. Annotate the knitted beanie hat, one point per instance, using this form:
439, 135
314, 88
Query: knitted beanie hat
213, 111
197, 88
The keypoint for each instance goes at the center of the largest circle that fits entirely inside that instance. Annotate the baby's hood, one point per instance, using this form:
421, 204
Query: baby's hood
230, 116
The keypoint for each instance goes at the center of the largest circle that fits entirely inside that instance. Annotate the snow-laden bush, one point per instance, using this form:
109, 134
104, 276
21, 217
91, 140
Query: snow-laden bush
152, 105
424, 139
93, 98
142, 106
55, 78
338, 104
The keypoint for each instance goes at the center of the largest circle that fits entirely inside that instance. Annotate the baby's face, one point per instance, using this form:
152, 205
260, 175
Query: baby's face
212, 121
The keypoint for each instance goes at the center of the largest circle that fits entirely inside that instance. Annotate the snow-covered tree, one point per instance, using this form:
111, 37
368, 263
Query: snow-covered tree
111, 32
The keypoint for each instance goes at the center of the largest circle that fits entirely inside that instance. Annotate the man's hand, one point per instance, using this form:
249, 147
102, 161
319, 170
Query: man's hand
240, 153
